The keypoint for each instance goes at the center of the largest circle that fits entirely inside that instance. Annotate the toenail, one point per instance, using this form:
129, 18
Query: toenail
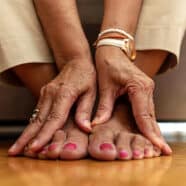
136, 153
146, 151
106, 146
52, 147
70, 146
123, 154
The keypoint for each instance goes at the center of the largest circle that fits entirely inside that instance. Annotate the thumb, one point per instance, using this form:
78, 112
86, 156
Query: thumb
105, 107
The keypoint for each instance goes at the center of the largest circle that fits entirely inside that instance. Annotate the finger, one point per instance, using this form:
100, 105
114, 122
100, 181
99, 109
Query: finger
146, 123
56, 118
166, 148
105, 107
44, 106
84, 110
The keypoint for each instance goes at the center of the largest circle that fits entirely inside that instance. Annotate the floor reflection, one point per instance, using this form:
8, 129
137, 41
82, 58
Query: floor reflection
88, 172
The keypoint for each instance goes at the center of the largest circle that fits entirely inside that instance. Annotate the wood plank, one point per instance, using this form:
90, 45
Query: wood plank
161, 171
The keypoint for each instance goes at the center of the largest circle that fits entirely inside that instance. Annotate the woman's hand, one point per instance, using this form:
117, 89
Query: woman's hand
75, 82
117, 75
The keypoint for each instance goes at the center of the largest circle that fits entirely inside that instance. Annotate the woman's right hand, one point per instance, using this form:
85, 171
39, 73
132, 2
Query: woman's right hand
75, 82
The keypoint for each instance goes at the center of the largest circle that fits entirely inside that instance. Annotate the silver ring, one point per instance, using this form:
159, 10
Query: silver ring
34, 115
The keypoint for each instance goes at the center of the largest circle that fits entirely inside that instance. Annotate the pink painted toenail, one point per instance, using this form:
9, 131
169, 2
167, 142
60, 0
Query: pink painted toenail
123, 154
52, 147
70, 146
136, 153
106, 146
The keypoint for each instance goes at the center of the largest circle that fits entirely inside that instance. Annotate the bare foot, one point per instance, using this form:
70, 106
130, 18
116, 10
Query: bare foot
70, 144
119, 139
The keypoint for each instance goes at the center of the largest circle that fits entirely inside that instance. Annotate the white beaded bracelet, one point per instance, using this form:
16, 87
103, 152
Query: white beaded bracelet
124, 44
117, 30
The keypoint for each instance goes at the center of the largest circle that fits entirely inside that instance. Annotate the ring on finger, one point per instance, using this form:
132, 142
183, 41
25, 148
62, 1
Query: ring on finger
34, 115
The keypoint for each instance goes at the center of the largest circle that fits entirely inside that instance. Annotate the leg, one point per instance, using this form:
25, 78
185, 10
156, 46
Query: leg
119, 138
70, 143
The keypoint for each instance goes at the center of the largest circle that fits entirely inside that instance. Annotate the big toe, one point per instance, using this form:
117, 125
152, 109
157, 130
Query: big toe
101, 144
75, 145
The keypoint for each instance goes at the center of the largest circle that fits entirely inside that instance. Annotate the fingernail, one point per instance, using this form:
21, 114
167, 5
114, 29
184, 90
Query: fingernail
70, 146
123, 154
87, 124
136, 153
168, 149
106, 146
96, 121
52, 147
12, 148
33, 144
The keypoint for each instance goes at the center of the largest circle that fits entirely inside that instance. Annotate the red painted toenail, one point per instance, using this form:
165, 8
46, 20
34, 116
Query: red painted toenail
52, 147
136, 153
70, 146
123, 154
106, 146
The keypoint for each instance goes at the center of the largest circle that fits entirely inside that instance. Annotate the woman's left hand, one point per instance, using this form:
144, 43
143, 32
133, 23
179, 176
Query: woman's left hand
117, 75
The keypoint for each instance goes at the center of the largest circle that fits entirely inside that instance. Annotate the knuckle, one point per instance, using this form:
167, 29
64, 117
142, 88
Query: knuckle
103, 107
145, 84
67, 93
50, 88
143, 116
54, 116
42, 91
150, 84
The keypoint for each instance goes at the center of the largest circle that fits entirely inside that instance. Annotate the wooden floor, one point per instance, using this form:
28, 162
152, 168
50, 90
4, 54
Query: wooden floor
163, 171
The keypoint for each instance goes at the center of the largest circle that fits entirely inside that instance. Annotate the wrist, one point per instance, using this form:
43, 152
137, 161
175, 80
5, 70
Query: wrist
81, 56
77, 50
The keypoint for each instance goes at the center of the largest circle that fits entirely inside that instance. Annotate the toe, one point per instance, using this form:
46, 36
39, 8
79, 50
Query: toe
101, 144
29, 153
138, 146
75, 145
43, 153
148, 150
123, 146
55, 147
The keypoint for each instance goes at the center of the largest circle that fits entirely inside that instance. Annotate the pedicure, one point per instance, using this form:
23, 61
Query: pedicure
123, 154
106, 146
52, 147
136, 153
70, 146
